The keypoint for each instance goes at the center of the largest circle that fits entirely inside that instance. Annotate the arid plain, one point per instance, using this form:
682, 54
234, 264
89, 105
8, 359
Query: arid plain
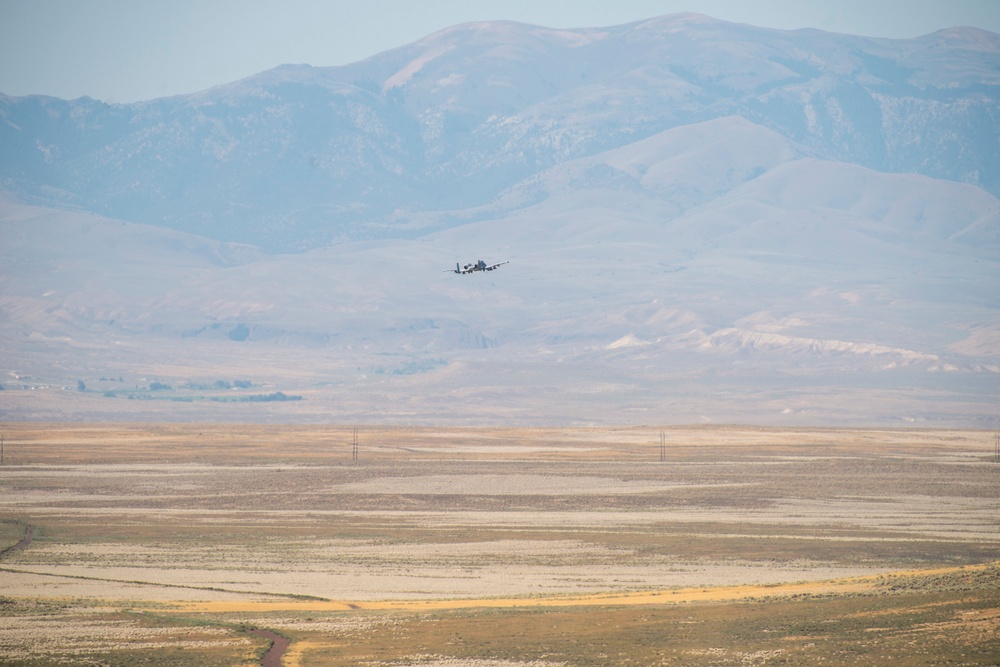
167, 544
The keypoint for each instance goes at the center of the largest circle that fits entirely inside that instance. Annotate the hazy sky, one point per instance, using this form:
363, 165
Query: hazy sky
128, 50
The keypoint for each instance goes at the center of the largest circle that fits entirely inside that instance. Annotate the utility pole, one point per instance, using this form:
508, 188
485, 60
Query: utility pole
354, 449
663, 446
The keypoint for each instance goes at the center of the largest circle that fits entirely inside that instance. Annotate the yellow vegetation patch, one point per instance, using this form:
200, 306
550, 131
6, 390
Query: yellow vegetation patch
676, 596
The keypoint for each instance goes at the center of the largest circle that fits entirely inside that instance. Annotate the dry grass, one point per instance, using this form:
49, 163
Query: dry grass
498, 547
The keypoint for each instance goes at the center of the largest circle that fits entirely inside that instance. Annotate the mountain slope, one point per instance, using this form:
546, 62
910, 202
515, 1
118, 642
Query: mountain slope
301, 156
703, 221
814, 290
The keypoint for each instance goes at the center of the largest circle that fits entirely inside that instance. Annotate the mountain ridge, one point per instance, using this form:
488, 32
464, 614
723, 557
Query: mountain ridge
300, 156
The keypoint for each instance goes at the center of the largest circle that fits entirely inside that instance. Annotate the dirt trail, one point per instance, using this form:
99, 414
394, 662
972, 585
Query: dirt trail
279, 645
29, 534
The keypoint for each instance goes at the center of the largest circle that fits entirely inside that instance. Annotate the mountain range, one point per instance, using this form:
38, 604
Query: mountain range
705, 221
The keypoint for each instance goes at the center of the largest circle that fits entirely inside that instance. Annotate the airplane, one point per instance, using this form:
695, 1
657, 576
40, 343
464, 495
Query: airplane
478, 266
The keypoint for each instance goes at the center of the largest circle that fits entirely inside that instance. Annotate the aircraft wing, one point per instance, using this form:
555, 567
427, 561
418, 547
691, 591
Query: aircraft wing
493, 266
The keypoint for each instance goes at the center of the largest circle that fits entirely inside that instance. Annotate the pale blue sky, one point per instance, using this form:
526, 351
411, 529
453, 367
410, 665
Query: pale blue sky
129, 50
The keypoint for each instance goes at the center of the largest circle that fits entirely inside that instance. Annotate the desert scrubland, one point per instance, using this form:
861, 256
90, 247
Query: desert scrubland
166, 544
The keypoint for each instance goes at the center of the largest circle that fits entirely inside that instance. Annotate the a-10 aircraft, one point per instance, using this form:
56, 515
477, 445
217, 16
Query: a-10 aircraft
478, 266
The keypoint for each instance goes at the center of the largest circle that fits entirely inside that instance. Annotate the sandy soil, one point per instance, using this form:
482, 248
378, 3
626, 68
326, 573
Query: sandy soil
650, 597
